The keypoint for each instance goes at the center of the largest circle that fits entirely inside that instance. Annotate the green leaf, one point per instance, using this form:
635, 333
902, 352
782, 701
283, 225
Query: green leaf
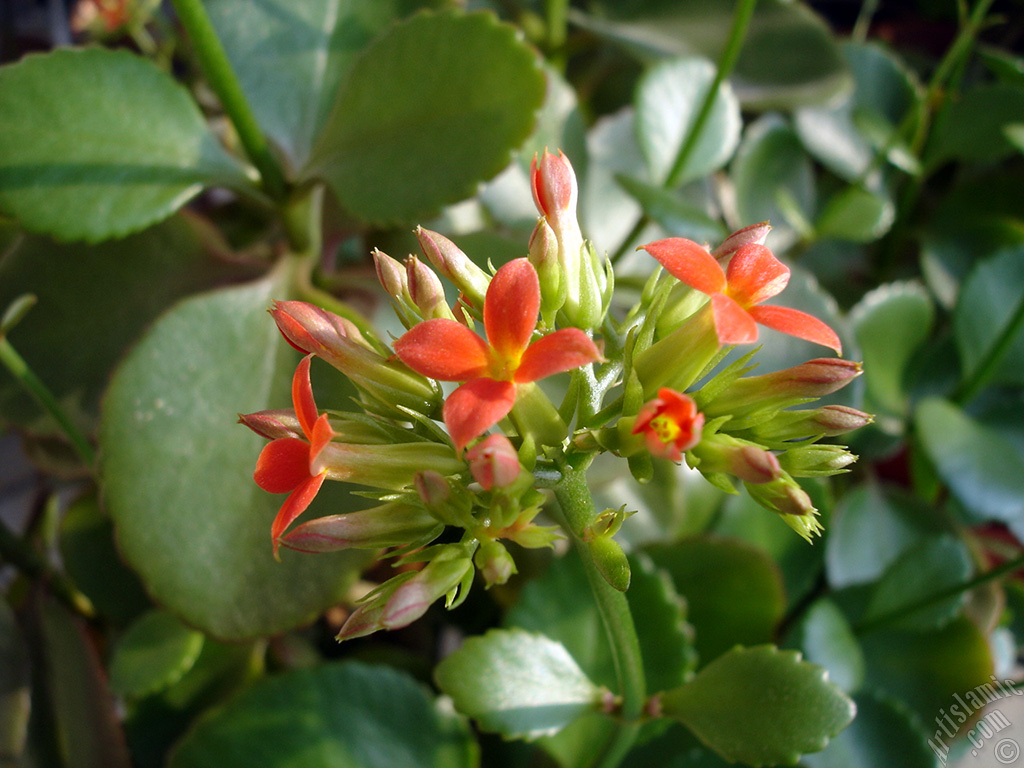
176, 469
856, 214
519, 684
981, 468
733, 591
921, 571
427, 111
826, 639
885, 354
673, 213
668, 100
769, 160
290, 56
882, 730
973, 128
152, 655
97, 143
15, 686
761, 706
987, 302
94, 300
789, 56
337, 715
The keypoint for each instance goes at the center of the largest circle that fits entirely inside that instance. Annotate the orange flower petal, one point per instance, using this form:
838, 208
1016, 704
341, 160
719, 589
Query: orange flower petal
296, 503
302, 397
443, 349
797, 323
755, 275
511, 307
283, 465
689, 262
557, 352
322, 434
475, 407
733, 323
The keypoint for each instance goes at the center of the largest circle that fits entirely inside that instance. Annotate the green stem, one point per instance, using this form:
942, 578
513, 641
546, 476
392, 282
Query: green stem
217, 69
992, 359
15, 551
726, 63
556, 13
577, 507
870, 625
16, 364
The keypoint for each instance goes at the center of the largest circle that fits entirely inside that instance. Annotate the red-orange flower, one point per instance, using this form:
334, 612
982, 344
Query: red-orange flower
289, 464
448, 351
670, 424
754, 275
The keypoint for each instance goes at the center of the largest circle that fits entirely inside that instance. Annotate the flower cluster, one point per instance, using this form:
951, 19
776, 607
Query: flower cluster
479, 459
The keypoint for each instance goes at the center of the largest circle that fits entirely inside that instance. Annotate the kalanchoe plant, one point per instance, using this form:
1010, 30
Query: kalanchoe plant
500, 445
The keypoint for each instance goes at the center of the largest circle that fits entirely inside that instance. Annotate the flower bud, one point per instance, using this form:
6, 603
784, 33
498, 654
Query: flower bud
440, 577
313, 330
755, 233
392, 276
747, 461
610, 561
554, 189
391, 467
543, 254
791, 502
272, 424
827, 421
494, 462
494, 563
426, 290
455, 265
816, 460
393, 524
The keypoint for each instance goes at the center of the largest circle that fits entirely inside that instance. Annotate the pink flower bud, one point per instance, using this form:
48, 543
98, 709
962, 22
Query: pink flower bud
450, 261
389, 525
811, 380
392, 275
755, 233
426, 290
432, 488
554, 187
494, 462
272, 424
494, 563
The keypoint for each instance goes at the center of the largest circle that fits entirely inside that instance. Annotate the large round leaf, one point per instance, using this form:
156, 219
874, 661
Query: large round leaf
176, 469
97, 143
336, 716
430, 109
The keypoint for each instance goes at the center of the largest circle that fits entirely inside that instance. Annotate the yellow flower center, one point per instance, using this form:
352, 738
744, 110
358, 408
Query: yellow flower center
666, 428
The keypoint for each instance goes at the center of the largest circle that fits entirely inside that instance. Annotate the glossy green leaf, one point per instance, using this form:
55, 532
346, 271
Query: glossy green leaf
885, 354
533, 686
338, 715
177, 470
152, 655
973, 128
927, 568
761, 706
94, 300
826, 639
673, 213
733, 591
789, 56
427, 111
97, 143
928, 670
15, 682
856, 214
882, 730
771, 160
669, 98
988, 300
290, 56
883, 93
980, 466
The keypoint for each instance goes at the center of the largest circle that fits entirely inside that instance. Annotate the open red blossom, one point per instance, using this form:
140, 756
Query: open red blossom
445, 350
753, 276
288, 464
670, 424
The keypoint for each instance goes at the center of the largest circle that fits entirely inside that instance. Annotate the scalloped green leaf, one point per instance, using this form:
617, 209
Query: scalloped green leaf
826, 639
98, 143
339, 715
428, 110
856, 214
153, 654
669, 98
761, 706
517, 683
290, 56
176, 469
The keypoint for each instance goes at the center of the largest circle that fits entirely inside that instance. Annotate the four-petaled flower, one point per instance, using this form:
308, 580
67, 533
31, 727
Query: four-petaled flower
670, 423
289, 464
445, 350
754, 275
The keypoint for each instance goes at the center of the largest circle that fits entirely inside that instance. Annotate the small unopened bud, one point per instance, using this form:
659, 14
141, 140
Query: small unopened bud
791, 502
450, 261
816, 460
554, 188
494, 563
272, 424
439, 577
392, 276
827, 421
750, 463
607, 523
426, 290
393, 524
494, 462
432, 488
610, 561
755, 233
543, 254
813, 379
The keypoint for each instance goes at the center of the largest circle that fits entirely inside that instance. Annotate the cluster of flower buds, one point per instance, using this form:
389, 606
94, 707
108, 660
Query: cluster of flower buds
476, 460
